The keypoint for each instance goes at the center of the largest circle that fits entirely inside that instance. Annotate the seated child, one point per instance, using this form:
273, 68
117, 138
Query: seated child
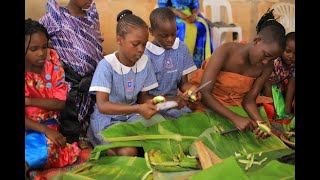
45, 95
282, 80
120, 79
239, 71
171, 60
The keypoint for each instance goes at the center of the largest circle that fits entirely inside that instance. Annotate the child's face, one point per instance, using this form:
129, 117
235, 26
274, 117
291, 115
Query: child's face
37, 50
289, 54
263, 53
165, 33
132, 45
84, 4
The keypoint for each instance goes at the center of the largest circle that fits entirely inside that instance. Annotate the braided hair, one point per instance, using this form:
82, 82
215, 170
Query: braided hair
125, 19
161, 14
271, 30
31, 27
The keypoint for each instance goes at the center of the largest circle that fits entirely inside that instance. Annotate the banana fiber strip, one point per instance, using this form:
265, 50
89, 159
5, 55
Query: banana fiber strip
176, 137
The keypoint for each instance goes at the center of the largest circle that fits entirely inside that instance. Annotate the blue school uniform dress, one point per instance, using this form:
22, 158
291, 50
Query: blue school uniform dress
169, 67
123, 84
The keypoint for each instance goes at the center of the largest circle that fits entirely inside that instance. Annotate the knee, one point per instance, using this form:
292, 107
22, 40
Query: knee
127, 151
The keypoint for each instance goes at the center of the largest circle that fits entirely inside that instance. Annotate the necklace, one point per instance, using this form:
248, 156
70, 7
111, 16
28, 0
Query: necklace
124, 87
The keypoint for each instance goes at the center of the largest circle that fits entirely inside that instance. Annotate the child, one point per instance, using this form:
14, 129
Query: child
282, 80
45, 95
75, 35
192, 27
171, 60
120, 78
239, 71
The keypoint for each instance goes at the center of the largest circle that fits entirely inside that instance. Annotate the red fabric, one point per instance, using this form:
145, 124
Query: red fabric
50, 84
49, 173
269, 108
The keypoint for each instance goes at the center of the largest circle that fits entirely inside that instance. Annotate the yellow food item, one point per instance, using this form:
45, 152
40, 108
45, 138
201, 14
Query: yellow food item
158, 99
192, 98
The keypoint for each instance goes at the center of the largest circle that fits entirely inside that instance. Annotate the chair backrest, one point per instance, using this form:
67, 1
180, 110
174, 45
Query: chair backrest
216, 10
286, 13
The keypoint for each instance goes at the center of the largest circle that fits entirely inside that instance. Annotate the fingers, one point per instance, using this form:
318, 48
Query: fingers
61, 140
261, 134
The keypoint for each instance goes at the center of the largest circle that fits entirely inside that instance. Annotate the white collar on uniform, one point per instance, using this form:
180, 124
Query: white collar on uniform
116, 64
159, 50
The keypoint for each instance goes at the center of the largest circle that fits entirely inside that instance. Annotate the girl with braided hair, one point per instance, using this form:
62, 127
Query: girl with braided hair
121, 80
45, 95
238, 73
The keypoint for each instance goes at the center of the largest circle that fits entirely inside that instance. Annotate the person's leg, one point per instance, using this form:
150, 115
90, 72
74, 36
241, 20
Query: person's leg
26, 169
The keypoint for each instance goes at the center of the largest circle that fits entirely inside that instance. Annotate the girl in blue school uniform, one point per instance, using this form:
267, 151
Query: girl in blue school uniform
171, 60
120, 79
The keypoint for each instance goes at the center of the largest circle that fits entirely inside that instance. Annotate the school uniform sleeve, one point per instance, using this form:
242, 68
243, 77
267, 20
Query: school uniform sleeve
151, 80
60, 87
52, 19
188, 64
102, 78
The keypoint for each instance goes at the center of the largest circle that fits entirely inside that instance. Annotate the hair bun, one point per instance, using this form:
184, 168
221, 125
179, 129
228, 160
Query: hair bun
123, 13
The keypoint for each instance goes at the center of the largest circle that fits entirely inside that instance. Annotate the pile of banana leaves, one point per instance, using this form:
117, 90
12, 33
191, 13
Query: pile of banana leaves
170, 152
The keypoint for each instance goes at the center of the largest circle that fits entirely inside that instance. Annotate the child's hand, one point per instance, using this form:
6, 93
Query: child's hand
259, 133
57, 138
181, 100
244, 124
263, 131
189, 91
148, 109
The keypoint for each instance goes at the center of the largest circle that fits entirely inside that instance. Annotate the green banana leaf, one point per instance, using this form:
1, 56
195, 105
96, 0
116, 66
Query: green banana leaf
183, 132
243, 143
113, 167
230, 169
274, 170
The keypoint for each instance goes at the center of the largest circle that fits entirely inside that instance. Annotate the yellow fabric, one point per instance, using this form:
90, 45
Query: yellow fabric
191, 32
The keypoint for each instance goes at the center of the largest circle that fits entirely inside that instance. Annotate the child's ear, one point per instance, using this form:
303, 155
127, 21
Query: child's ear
119, 40
256, 40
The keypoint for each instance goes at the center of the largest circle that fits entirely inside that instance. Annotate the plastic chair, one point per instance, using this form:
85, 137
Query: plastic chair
219, 26
286, 13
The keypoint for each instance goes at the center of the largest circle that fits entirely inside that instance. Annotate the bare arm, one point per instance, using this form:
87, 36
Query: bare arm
249, 100
267, 89
290, 95
147, 110
213, 68
57, 138
50, 104
179, 14
144, 96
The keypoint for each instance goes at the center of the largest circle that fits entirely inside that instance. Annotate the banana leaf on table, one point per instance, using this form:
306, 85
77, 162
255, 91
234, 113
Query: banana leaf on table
110, 167
172, 137
242, 143
164, 135
229, 169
